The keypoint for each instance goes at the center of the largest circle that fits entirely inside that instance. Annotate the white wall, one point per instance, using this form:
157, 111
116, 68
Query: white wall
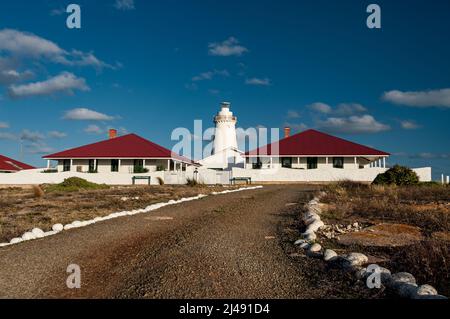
322, 174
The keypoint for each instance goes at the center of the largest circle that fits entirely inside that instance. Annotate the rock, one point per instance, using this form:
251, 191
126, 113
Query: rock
5, 244
309, 236
310, 220
299, 241
315, 226
315, 248
355, 225
426, 290
406, 290
385, 274
28, 236
77, 223
38, 233
329, 255
16, 241
356, 259
305, 246
58, 227
403, 277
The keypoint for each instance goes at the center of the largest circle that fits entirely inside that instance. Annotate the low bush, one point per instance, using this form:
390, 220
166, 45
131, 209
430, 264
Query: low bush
193, 182
74, 184
397, 175
140, 170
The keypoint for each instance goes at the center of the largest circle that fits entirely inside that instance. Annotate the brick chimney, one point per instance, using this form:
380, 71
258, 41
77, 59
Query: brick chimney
287, 131
112, 133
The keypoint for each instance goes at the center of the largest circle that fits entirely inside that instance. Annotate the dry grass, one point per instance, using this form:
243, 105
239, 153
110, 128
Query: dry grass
424, 206
21, 210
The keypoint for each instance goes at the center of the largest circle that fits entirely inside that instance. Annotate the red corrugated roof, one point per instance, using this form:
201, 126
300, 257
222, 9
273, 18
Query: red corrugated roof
127, 146
9, 165
315, 143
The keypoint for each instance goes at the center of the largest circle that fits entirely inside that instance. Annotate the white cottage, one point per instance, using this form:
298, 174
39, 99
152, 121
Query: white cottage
127, 154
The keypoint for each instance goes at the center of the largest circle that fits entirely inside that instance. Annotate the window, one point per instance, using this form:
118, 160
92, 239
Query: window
92, 166
257, 164
338, 162
114, 165
312, 162
286, 162
66, 165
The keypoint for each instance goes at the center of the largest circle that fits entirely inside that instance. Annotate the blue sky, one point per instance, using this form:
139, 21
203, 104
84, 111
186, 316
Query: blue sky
149, 67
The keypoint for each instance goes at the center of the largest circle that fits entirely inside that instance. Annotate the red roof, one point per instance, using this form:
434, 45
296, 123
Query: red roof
315, 143
9, 165
127, 146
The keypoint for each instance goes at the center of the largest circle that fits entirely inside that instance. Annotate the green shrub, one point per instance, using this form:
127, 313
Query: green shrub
160, 168
397, 175
74, 184
140, 170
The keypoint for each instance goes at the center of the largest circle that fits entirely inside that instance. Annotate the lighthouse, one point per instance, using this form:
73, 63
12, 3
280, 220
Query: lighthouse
225, 154
225, 132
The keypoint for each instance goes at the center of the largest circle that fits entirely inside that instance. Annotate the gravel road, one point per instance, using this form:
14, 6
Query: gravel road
226, 246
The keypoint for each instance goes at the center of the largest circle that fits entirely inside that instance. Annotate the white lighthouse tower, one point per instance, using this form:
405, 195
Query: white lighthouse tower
225, 153
225, 133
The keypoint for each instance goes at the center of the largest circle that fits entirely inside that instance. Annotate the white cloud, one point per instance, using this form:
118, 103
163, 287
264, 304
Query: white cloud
94, 129
7, 136
31, 136
210, 75
38, 148
346, 109
84, 114
258, 82
22, 44
56, 134
320, 107
343, 109
4, 125
353, 125
296, 127
57, 12
293, 114
124, 5
9, 76
63, 83
431, 98
228, 47
409, 125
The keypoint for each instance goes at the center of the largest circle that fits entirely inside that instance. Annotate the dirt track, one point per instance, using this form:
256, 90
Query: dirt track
226, 246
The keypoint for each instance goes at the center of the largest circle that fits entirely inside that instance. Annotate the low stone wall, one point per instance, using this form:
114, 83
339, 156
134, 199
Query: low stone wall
403, 284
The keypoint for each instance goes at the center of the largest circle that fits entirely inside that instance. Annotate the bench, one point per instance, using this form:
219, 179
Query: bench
148, 178
233, 180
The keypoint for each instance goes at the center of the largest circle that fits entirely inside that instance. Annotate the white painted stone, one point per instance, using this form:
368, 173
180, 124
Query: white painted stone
16, 241
58, 227
329, 255
315, 226
356, 259
28, 236
315, 248
310, 236
38, 233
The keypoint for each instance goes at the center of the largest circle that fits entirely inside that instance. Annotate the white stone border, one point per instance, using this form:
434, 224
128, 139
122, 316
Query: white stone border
403, 284
37, 233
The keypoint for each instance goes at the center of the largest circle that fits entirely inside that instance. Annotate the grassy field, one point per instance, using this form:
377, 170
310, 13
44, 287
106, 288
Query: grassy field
22, 209
423, 206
